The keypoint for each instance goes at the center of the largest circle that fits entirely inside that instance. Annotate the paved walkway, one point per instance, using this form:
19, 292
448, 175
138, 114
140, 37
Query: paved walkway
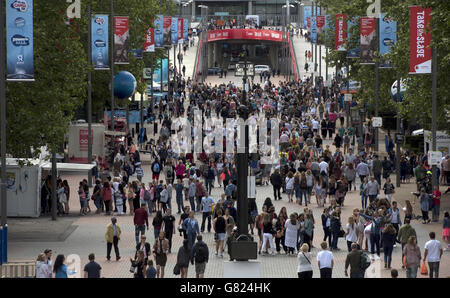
87, 234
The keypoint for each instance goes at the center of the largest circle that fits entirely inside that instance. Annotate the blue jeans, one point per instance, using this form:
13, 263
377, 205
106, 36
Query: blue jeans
150, 207
375, 241
334, 239
199, 201
192, 201
436, 211
388, 255
209, 185
180, 204
137, 230
156, 232
411, 272
364, 201
304, 193
191, 238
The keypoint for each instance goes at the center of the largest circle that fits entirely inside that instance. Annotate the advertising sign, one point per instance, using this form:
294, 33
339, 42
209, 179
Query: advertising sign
388, 37
165, 73
121, 40
368, 40
19, 40
159, 31
180, 30
149, 43
167, 22
185, 30
353, 53
420, 39
314, 29
100, 48
320, 23
257, 34
340, 32
307, 12
174, 30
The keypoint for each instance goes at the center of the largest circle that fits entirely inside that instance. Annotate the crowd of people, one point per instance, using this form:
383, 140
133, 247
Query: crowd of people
321, 161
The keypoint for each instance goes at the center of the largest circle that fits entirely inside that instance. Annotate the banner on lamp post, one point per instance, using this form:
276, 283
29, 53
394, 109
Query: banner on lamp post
149, 44
180, 30
159, 31
320, 24
340, 32
420, 39
314, 29
353, 53
174, 30
368, 40
19, 41
307, 12
185, 30
121, 40
100, 36
167, 23
388, 37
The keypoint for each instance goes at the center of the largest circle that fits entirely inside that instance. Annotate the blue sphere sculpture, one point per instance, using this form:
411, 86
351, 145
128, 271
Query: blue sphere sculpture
124, 84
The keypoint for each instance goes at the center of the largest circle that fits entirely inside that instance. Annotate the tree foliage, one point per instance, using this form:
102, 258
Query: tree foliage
416, 107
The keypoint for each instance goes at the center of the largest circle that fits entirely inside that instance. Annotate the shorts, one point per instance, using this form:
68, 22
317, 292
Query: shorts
221, 236
161, 259
155, 176
83, 203
200, 267
446, 233
289, 191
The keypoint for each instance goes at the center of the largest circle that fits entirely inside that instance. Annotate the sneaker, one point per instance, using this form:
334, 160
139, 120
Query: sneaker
221, 255
117, 258
216, 253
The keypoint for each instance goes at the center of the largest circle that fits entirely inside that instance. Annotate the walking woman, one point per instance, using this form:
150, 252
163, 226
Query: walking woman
60, 269
292, 225
107, 197
183, 258
157, 223
130, 197
304, 263
351, 232
308, 230
267, 233
160, 250
412, 257
388, 237
318, 191
139, 264
279, 236
290, 185
335, 225
364, 193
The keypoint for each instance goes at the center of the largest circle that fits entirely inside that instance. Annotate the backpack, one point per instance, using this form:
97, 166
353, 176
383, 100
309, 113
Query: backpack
147, 195
170, 172
201, 254
303, 183
364, 262
156, 167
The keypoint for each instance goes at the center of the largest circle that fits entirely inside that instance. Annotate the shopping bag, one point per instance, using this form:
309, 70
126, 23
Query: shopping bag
424, 269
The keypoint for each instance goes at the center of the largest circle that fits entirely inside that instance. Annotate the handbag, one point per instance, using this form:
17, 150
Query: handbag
341, 233
176, 269
424, 269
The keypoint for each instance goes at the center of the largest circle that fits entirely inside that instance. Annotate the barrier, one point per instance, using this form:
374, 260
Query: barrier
3, 244
18, 270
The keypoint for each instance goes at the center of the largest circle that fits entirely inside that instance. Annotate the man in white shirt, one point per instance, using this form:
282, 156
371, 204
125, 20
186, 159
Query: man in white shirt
350, 157
325, 261
433, 251
323, 166
363, 170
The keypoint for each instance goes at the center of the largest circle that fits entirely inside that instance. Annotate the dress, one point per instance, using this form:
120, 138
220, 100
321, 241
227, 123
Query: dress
290, 239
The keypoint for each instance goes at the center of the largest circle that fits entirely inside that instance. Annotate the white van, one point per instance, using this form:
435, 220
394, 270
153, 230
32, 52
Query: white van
262, 68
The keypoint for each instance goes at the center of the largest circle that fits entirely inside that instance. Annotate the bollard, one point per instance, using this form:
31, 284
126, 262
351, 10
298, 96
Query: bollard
5, 244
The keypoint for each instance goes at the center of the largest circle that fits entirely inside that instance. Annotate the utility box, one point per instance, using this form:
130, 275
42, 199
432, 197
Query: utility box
78, 142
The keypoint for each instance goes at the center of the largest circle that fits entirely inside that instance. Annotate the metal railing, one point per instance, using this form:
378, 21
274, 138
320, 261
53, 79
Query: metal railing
18, 270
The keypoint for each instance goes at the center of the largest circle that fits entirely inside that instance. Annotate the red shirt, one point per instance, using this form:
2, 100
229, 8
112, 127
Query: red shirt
140, 217
437, 197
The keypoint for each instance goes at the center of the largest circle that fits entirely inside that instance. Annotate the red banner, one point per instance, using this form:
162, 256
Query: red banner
149, 43
320, 21
167, 22
340, 32
368, 41
121, 39
256, 34
420, 39
308, 19
180, 30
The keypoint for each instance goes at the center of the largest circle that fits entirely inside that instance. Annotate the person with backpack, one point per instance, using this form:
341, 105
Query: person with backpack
156, 170
358, 262
200, 254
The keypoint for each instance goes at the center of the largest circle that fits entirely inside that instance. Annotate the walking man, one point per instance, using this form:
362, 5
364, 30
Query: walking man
433, 253
200, 254
112, 238
206, 205
140, 221
325, 261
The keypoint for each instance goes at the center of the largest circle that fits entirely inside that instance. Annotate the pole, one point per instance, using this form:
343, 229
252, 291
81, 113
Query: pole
397, 155
112, 66
347, 104
142, 117
326, 63
434, 114
89, 103
54, 206
377, 91
312, 46
4, 212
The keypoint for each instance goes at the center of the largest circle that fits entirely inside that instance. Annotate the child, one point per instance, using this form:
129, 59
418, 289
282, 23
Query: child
82, 196
151, 271
446, 230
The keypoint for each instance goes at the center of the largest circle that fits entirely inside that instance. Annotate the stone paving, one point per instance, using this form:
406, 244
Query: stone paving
88, 236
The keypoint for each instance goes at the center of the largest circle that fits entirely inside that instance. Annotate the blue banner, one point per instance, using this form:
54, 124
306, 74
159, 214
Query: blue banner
353, 53
100, 45
174, 30
307, 11
19, 40
185, 30
313, 29
388, 37
159, 32
157, 73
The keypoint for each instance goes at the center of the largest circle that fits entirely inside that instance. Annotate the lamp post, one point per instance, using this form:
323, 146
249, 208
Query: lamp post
112, 66
3, 120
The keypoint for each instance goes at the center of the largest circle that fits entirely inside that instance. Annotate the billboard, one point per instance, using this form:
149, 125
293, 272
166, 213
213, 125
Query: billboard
159, 31
121, 40
388, 37
353, 53
174, 30
255, 34
420, 39
149, 43
165, 73
167, 23
19, 40
368, 40
340, 32
185, 30
99, 42
307, 12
